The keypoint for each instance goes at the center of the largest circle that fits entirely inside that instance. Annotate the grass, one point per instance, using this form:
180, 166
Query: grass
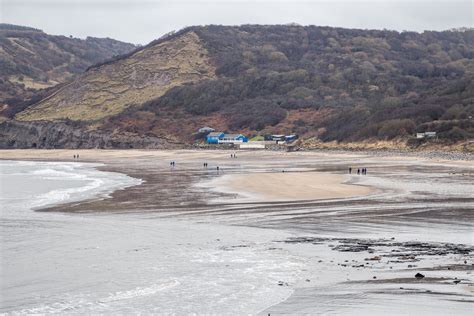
257, 138
110, 89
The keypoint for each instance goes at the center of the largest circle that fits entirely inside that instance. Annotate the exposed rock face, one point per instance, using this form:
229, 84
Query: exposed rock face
14, 134
109, 89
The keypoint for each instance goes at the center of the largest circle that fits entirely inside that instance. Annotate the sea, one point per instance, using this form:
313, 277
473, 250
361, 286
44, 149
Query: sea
95, 263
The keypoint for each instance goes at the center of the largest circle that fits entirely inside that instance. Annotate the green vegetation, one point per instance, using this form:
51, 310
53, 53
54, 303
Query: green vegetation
257, 138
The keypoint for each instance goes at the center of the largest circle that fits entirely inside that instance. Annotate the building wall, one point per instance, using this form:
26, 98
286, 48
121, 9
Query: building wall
212, 140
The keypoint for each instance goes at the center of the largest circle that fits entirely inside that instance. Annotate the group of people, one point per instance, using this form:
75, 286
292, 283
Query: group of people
359, 170
76, 156
233, 155
173, 164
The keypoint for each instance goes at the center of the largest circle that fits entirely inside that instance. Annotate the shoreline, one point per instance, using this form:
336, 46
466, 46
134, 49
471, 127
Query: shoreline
346, 237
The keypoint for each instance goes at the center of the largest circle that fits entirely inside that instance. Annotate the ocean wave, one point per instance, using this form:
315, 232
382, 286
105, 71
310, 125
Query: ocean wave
71, 181
80, 304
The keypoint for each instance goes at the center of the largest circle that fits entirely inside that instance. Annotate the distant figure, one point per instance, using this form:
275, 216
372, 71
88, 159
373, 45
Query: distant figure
350, 170
74, 156
365, 170
231, 155
217, 168
358, 171
77, 156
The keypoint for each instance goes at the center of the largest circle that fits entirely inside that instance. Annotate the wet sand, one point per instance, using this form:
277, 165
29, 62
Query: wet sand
290, 186
408, 215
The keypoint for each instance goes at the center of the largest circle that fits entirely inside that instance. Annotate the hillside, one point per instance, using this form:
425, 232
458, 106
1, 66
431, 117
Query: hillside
111, 88
319, 82
32, 60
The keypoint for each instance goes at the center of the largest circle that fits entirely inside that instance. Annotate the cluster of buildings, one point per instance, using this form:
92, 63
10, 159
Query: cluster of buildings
213, 137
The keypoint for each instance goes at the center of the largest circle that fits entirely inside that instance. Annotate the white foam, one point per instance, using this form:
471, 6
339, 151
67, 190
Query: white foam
62, 181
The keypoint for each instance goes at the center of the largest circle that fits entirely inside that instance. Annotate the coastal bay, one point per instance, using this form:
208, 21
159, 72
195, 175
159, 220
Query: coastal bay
313, 251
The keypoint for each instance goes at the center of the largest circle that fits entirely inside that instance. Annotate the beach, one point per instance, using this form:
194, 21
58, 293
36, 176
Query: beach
298, 232
290, 186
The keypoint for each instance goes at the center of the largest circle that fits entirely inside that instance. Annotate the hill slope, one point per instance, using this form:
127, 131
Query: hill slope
329, 83
109, 89
31, 60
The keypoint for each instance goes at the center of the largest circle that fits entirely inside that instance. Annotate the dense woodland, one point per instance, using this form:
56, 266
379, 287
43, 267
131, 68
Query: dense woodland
374, 83
31, 60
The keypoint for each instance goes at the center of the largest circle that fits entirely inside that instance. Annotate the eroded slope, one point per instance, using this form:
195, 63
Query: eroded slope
109, 89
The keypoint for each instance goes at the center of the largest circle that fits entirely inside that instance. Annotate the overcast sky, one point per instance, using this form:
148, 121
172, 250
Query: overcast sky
140, 21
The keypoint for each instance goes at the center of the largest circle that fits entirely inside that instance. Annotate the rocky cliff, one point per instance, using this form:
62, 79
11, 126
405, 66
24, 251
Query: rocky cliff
49, 135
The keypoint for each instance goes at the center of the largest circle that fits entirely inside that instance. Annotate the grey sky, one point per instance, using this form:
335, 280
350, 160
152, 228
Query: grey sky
140, 21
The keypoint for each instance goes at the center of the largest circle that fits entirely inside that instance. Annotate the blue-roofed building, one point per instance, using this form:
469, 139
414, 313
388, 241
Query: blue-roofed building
213, 137
290, 138
222, 138
233, 138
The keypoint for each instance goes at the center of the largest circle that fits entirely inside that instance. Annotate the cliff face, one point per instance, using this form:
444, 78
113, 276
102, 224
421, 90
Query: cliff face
31, 60
49, 135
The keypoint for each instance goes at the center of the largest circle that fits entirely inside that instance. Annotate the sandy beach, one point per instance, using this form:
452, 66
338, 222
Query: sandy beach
321, 240
290, 186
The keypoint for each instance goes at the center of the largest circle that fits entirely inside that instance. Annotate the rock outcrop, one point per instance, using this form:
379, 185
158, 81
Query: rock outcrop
14, 134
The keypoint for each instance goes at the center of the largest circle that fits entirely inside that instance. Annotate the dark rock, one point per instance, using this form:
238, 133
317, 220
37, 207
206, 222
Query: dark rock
50, 135
419, 276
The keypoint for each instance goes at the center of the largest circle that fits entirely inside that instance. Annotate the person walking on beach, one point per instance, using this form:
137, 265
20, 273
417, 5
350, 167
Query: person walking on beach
350, 170
358, 171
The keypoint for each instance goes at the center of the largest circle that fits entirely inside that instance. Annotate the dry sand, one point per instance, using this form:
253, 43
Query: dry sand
288, 186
